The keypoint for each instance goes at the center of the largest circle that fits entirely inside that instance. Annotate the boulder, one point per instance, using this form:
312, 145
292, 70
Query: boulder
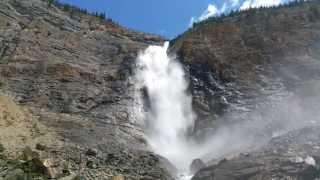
53, 168
196, 165
92, 152
91, 164
40, 147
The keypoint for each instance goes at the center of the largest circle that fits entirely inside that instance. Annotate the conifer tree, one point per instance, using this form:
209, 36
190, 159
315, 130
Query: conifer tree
50, 2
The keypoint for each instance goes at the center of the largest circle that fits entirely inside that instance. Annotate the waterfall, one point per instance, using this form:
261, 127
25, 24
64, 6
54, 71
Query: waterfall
166, 110
169, 115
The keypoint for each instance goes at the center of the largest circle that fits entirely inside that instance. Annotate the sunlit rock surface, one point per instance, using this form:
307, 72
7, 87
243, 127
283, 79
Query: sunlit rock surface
254, 78
235, 62
69, 74
71, 71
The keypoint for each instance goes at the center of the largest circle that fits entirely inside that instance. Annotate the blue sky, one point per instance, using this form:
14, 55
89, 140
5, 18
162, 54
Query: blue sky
165, 17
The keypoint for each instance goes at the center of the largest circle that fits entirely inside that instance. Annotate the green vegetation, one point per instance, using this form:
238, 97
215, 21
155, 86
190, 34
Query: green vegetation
28, 169
73, 10
312, 5
315, 10
1, 148
50, 2
78, 177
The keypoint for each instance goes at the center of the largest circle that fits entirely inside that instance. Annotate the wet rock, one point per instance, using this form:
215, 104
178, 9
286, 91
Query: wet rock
275, 160
239, 169
196, 165
164, 163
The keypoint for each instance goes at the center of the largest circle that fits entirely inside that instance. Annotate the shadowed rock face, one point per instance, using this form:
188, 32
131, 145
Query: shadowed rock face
237, 61
71, 66
236, 64
290, 156
73, 70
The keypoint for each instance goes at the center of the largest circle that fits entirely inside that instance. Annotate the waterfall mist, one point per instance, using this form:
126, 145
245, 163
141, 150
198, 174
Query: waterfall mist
168, 115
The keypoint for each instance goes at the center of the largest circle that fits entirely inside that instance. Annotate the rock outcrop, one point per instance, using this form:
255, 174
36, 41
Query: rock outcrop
196, 165
237, 61
291, 156
71, 72
240, 66
66, 92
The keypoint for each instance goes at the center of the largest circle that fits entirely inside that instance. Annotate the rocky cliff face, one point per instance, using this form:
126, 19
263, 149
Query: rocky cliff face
240, 63
236, 61
292, 156
65, 91
71, 71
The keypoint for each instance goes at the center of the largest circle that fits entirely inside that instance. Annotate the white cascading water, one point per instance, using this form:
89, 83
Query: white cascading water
170, 115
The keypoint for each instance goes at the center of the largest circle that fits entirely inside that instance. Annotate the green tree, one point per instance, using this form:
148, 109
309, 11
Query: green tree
50, 2
66, 7
102, 16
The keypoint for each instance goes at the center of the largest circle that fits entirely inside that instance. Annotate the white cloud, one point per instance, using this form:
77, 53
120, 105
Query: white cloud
192, 20
234, 3
246, 5
214, 10
260, 3
223, 8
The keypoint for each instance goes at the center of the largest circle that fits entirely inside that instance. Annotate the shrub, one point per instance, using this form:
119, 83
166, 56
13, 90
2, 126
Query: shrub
1, 148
